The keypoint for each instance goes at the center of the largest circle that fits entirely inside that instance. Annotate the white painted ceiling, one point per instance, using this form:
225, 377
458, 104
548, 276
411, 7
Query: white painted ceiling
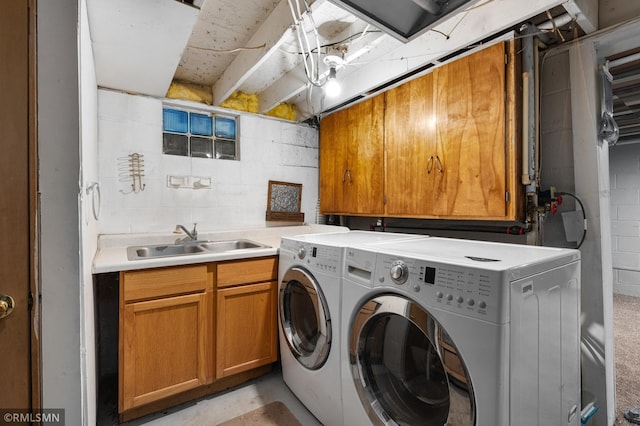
251, 45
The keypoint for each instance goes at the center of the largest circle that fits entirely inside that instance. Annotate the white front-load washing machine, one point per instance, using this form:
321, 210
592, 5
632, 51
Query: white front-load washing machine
454, 332
309, 271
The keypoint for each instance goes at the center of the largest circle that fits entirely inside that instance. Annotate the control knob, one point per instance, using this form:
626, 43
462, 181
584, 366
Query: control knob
399, 272
302, 252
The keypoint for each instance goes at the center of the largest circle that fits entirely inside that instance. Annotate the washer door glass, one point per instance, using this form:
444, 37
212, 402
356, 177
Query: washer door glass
403, 370
304, 318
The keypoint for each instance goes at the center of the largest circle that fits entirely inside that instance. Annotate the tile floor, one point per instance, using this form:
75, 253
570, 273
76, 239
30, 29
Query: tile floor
212, 410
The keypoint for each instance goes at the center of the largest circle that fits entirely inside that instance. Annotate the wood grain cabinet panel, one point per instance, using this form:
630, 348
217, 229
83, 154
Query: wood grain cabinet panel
177, 336
164, 348
158, 282
246, 328
351, 159
450, 145
470, 111
415, 182
246, 271
166, 336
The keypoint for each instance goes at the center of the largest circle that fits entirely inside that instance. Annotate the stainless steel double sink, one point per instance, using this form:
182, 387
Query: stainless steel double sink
189, 248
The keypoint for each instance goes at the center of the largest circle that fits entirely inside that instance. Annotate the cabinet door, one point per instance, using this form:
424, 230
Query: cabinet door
412, 174
333, 162
246, 328
470, 115
164, 343
351, 159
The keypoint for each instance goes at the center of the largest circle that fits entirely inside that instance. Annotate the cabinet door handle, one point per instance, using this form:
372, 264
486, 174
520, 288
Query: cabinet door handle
349, 175
439, 166
430, 164
344, 175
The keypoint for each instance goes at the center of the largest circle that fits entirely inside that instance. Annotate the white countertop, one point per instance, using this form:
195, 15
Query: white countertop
112, 248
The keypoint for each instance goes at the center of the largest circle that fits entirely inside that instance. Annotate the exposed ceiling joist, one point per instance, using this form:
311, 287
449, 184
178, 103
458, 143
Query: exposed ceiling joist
282, 90
141, 46
272, 34
295, 81
585, 12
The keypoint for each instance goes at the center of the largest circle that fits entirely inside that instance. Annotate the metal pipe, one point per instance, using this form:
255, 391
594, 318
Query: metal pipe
529, 107
536, 113
526, 176
556, 22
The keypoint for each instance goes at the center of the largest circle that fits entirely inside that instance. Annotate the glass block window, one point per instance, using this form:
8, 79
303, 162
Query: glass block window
187, 133
197, 134
173, 144
225, 127
201, 124
201, 147
225, 137
175, 120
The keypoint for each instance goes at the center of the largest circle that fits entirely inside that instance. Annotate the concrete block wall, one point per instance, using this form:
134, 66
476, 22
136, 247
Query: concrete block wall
556, 142
624, 171
270, 149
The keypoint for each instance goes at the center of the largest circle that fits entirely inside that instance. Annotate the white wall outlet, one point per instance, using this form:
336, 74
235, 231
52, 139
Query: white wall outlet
201, 182
178, 181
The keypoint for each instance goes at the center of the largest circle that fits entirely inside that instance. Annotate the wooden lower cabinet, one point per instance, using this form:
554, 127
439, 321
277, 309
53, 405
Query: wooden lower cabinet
165, 336
164, 348
246, 328
246, 318
191, 330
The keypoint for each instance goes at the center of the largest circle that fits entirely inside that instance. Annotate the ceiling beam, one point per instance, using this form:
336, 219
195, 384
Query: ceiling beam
295, 81
272, 33
290, 85
585, 13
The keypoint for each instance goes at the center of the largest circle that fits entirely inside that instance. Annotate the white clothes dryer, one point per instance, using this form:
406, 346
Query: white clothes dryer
309, 271
455, 332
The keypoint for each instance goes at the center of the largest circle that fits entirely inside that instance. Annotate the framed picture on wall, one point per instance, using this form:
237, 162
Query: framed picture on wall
283, 202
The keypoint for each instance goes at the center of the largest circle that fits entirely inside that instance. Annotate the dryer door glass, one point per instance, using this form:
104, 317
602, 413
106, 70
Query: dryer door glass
304, 318
400, 369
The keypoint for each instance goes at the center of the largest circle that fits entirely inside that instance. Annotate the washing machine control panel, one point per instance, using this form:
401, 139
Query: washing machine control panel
316, 257
465, 290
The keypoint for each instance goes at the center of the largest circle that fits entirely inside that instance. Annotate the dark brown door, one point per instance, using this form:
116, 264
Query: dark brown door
17, 217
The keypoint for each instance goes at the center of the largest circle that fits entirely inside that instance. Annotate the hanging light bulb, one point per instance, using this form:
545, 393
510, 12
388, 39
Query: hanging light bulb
332, 87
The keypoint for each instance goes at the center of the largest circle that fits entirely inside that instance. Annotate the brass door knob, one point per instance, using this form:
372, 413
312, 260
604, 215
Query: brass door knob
6, 305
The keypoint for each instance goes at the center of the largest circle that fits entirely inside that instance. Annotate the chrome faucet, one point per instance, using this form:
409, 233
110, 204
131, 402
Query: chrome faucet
191, 235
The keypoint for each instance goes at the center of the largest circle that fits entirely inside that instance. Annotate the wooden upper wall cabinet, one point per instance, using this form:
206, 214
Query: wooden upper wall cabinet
351, 158
413, 177
471, 101
450, 144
